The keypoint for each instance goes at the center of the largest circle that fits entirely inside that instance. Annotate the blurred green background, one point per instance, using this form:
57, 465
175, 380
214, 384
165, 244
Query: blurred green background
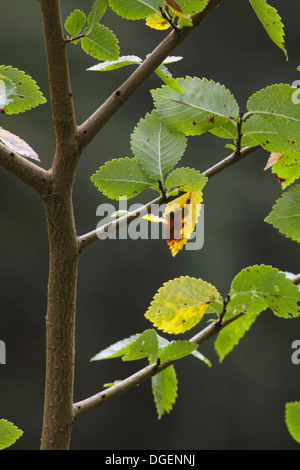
236, 405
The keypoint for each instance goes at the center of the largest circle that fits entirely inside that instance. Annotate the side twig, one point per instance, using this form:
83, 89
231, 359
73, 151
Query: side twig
95, 235
84, 406
27, 171
90, 128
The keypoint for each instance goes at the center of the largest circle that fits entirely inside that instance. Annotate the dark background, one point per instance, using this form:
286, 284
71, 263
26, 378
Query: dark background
236, 405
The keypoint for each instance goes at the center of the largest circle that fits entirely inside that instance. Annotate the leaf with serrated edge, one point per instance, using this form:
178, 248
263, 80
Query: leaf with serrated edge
16, 145
164, 389
258, 287
186, 179
232, 333
9, 433
253, 290
271, 21
121, 177
287, 168
101, 43
285, 215
180, 304
292, 419
281, 130
27, 94
156, 147
75, 22
203, 106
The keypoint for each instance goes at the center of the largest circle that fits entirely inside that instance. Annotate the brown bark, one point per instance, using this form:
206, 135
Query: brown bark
60, 323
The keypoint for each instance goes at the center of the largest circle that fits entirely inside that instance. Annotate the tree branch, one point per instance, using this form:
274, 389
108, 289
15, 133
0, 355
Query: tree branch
58, 71
95, 235
82, 407
28, 172
101, 116
296, 279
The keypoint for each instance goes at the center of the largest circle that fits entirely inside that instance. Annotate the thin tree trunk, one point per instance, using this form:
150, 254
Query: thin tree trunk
60, 323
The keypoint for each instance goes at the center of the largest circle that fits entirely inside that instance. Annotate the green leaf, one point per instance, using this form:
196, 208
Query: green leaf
285, 215
162, 342
190, 7
203, 106
121, 177
292, 419
202, 358
232, 333
9, 433
275, 105
258, 131
25, 94
75, 22
271, 21
101, 43
135, 9
180, 304
287, 169
164, 389
116, 64
146, 345
253, 290
186, 179
115, 350
167, 78
156, 147
258, 287
98, 9
176, 350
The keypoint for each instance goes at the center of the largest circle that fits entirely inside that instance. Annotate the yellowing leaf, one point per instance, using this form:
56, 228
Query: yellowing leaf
181, 216
176, 8
274, 157
157, 22
180, 304
285, 167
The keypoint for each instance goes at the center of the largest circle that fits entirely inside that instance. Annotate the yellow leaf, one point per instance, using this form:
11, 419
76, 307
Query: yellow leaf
153, 218
180, 304
181, 216
157, 22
